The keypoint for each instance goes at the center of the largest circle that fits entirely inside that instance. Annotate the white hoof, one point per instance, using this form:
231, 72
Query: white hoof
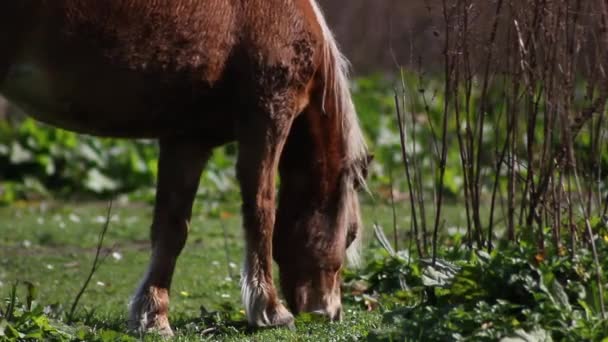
258, 309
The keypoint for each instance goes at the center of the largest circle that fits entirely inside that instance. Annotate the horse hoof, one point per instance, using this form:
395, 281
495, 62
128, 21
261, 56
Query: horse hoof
148, 313
281, 317
142, 325
165, 332
274, 317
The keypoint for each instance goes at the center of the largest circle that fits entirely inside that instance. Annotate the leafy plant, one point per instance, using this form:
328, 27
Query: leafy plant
29, 321
19, 321
510, 293
37, 161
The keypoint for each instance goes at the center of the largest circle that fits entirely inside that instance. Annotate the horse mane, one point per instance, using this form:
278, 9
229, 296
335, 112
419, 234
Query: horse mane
336, 69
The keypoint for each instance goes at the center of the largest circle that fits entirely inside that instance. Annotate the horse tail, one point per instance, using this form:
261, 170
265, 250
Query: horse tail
337, 100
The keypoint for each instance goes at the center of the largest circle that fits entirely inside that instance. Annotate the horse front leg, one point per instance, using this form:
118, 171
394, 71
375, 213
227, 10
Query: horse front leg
179, 169
261, 140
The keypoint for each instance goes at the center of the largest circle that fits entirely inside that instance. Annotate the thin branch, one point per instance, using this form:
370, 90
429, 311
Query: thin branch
94, 267
408, 176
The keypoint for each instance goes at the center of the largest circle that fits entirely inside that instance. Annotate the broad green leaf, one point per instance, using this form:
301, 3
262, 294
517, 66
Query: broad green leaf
98, 182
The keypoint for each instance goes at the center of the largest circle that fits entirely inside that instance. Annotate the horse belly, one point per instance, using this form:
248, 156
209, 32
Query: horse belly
58, 101
103, 102
159, 76
27, 85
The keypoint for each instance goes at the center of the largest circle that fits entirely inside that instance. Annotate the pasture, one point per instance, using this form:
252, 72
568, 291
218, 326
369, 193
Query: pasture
510, 293
52, 245
484, 216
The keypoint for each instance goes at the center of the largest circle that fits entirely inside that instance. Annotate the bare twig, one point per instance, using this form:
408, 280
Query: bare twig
444, 147
94, 267
408, 176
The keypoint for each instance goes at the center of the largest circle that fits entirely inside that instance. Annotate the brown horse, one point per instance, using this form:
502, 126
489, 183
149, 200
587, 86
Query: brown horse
196, 74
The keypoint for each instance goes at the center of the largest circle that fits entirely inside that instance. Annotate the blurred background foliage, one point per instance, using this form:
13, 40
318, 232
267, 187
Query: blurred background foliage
38, 161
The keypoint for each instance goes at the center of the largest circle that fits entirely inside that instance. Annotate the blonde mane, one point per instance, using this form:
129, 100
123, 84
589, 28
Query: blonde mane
337, 68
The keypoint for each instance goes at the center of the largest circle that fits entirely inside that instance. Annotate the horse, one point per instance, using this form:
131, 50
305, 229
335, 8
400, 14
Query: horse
195, 75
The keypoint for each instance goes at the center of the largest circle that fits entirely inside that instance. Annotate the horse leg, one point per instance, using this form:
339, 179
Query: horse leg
180, 166
261, 141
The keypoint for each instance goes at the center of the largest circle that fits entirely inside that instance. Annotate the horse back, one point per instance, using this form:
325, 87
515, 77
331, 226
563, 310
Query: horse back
204, 37
150, 36
153, 57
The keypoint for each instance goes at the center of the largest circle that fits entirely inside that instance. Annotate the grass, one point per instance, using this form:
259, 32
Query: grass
470, 295
52, 245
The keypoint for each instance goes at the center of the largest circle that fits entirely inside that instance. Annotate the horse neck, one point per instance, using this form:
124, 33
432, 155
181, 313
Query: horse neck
312, 162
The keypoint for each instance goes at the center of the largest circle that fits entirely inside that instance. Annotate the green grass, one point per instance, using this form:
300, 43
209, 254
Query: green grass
52, 245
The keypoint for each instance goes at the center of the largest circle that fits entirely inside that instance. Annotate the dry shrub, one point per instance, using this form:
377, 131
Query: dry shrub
532, 75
